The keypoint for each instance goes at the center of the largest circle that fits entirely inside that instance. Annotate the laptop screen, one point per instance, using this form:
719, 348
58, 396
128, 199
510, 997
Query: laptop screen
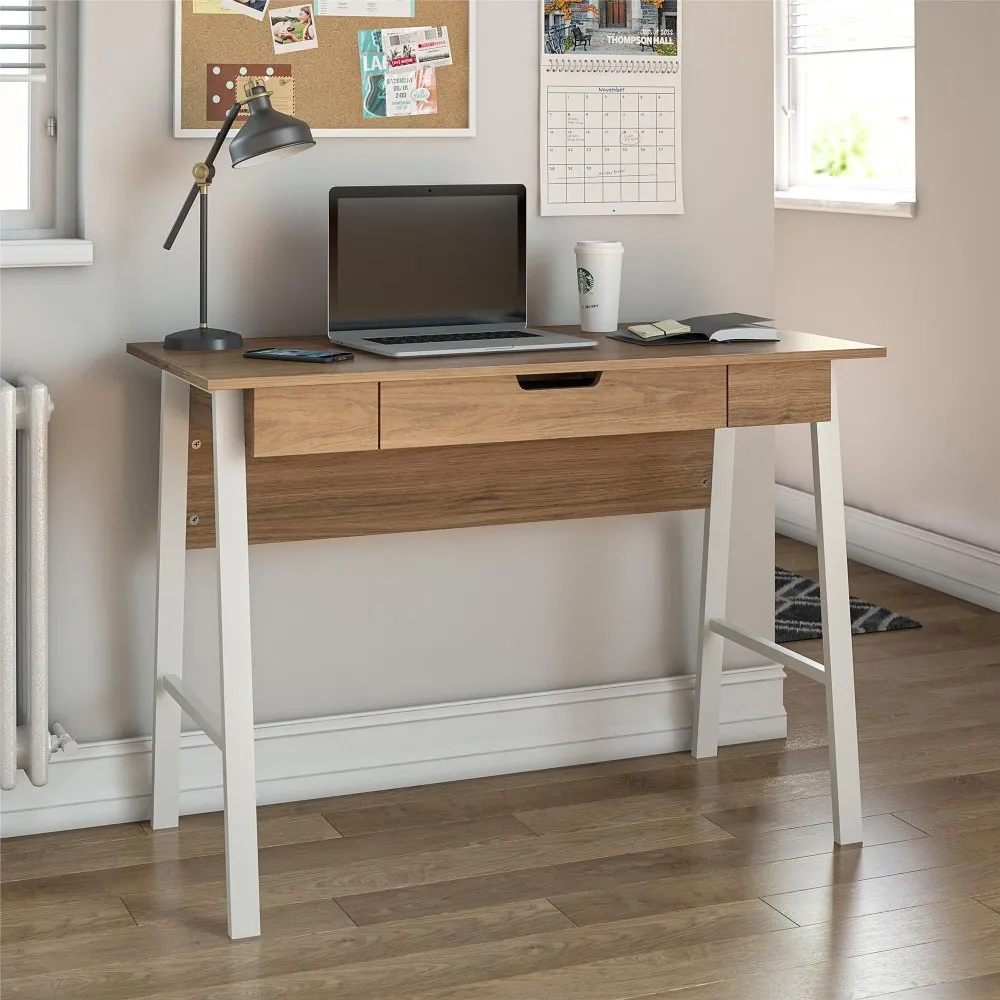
403, 257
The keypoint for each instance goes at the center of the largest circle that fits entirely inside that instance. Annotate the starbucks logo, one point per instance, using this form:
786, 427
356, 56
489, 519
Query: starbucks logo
584, 280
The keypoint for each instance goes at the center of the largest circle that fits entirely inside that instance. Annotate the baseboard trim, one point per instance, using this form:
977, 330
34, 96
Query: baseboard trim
109, 782
965, 571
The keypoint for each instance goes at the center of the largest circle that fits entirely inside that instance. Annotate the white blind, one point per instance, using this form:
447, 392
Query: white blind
23, 33
819, 26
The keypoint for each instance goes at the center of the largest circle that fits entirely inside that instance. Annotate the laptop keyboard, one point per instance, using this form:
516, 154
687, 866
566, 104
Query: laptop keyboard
441, 338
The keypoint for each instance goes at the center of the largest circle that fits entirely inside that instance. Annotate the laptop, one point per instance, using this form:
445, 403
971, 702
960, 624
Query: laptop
427, 271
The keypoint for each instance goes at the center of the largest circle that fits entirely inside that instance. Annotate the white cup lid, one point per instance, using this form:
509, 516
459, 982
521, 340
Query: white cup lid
599, 246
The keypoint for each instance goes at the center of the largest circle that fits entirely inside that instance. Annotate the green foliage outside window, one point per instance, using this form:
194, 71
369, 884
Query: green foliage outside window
842, 149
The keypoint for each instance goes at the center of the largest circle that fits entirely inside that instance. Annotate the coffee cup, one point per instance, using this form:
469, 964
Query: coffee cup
599, 278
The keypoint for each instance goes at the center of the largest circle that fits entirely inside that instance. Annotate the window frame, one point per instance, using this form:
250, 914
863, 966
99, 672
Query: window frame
53, 172
791, 152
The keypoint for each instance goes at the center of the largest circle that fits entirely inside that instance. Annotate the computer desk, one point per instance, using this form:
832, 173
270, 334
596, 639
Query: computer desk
263, 451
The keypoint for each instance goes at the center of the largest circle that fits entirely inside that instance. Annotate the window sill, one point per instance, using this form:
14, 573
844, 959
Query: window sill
46, 253
900, 204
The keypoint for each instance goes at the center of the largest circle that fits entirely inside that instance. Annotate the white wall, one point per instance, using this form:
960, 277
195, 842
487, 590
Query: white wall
921, 429
475, 612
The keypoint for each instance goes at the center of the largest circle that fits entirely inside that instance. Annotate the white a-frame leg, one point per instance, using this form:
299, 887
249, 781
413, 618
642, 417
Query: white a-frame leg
838, 651
239, 778
714, 585
169, 651
837, 675
231, 729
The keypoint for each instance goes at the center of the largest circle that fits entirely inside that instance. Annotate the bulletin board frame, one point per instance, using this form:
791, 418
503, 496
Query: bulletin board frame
413, 132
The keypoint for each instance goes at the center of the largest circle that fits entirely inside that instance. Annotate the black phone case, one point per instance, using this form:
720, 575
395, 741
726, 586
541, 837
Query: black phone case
331, 358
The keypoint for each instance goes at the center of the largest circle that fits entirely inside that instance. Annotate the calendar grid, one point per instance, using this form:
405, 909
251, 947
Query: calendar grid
611, 145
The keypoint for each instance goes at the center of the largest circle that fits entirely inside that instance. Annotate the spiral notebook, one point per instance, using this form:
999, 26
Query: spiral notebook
610, 109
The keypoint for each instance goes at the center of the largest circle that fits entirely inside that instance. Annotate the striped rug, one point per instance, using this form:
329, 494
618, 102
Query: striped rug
797, 611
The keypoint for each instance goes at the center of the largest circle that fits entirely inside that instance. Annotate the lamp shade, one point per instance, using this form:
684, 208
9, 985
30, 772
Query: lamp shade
269, 134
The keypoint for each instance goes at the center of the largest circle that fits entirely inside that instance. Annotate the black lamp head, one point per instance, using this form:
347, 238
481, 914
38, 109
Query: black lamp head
269, 134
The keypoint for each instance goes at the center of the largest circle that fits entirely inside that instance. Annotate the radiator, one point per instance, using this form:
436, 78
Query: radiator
26, 742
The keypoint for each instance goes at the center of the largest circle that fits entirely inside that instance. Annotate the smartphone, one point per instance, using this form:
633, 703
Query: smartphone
292, 354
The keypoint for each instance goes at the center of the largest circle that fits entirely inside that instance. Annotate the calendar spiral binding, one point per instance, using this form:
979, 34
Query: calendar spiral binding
597, 64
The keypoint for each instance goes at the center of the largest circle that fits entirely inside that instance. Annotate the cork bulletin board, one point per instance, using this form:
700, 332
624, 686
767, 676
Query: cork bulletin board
322, 86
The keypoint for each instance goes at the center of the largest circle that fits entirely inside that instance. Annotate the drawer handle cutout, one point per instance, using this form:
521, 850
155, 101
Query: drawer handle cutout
560, 380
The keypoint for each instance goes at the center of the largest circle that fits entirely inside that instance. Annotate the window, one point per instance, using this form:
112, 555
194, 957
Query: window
845, 112
38, 97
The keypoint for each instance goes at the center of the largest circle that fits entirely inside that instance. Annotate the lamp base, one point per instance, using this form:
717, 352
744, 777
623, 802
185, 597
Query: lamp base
203, 338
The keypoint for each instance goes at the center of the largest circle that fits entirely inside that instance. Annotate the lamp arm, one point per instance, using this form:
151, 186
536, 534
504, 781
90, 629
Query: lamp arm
208, 162
223, 132
176, 228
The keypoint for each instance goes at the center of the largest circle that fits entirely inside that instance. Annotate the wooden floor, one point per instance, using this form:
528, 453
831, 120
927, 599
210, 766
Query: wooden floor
653, 878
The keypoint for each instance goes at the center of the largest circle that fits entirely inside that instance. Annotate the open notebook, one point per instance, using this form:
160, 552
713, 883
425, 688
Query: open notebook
718, 328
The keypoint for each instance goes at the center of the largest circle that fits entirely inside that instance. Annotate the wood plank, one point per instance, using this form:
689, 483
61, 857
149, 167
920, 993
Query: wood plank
52, 862
312, 420
743, 805
567, 872
972, 936
779, 394
934, 794
205, 909
201, 850
40, 922
689, 775
502, 408
306, 963
854, 960
894, 973
230, 370
971, 813
626, 769
890, 892
318, 925
14, 848
422, 489
664, 890
645, 808
275, 861
977, 988
975, 748
203, 834
385, 875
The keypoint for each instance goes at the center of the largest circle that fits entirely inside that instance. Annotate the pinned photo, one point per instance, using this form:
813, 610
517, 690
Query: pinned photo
252, 8
293, 28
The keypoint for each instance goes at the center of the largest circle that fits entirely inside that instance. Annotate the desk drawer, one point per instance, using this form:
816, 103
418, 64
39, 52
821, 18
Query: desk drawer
781, 393
312, 420
540, 407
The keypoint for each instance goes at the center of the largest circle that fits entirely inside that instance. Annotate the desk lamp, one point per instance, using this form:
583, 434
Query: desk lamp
268, 135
